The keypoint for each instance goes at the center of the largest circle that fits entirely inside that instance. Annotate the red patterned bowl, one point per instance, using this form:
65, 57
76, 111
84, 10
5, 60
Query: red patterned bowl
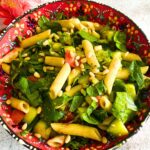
25, 26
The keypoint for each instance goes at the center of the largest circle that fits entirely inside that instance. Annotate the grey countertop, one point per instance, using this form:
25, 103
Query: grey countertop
139, 12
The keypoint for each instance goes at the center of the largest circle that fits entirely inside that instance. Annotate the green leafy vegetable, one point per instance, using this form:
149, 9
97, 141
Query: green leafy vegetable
76, 102
95, 90
87, 36
49, 113
136, 74
123, 106
119, 86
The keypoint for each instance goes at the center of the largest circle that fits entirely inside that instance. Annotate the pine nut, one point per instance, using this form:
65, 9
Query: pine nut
44, 69
27, 58
24, 127
60, 93
37, 75
25, 55
39, 109
38, 29
97, 48
77, 57
104, 140
68, 88
76, 63
67, 139
83, 60
82, 66
37, 135
105, 67
41, 54
91, 74
105, 71
94, 98
45, 43
95, 70
8, 102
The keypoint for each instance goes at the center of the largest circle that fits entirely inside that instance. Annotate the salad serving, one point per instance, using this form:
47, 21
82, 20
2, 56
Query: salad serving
75, 83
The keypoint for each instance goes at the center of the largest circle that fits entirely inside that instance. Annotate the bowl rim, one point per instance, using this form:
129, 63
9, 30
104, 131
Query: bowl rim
10, 25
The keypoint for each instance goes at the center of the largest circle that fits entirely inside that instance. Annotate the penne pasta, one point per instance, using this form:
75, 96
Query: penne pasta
105, 103
54, 61
29, 117
77, 130
34, 39
130, 56
124, 73
112, 74
66, 24
19, 104
88, 24
74, 90
90, 54
73, 74
6, 68
60, 80
11, 55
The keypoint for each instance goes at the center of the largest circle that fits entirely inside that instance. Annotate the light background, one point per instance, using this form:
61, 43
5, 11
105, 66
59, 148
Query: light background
139, 12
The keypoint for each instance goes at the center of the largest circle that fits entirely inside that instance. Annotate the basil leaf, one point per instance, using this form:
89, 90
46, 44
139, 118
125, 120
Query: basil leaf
87, 36
76, 102
136, 74
123, 106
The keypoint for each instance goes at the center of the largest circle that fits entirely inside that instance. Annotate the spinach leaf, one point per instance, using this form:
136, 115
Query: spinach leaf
87, 36
76, 102
95, 90
87, 117
119, 86
136, 74
49, 113
45, 23
77, 142
100, 114
123, 106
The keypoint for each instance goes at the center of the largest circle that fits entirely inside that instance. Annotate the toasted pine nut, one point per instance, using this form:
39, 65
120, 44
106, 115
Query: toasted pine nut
91, 74
37, 75
83, 60
60, 93
42, 54
25, 55
76, 63
77, 57
82, 66
68, 88
27, 58
104, 140
39, 109
37, 135
24, 127
94, 98
8, 102
97, 48
67, 139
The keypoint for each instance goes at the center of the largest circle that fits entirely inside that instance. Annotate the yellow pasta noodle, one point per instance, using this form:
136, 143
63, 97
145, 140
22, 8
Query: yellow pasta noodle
113, 71
124, 73
34, 39
90, 54
6, 68
74, 90
11, 55
130, 56
19, 104
77, 130
105, 103
60, 80
73, 74
54, 61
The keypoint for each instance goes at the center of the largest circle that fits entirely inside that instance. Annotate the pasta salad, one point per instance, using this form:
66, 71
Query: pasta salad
74, 82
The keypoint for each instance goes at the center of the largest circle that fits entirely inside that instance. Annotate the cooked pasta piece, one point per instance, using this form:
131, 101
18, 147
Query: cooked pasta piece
11, 55
77, 130
6, 68
54, 61
112, 74
105, 103
19, 104
34, 39
29, 117
124, 73
60, 80
73, 74
90, 54
74, 90
130, 56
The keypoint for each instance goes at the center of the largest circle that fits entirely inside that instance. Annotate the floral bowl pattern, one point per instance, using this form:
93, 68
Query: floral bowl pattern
25, 26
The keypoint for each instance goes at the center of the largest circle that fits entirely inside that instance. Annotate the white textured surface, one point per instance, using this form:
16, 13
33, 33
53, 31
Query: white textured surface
139, 12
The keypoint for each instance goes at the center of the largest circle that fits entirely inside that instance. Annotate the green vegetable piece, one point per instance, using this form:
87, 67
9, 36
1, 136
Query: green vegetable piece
120, 37
69, 48
87, 36
136, 74
123, 107
84, 80
130, 89
30, 116
42, 129
109, 34
76, 102
117, 128
49, 113
121, 46
119, 86
57, 46
65, 38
